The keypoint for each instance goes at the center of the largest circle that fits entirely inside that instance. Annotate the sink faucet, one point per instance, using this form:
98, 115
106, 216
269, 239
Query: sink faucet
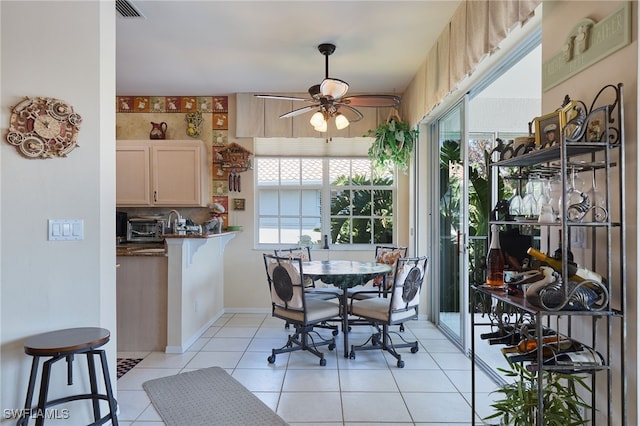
174, 224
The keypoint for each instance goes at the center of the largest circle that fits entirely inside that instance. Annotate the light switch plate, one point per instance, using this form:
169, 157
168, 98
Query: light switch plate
66, 229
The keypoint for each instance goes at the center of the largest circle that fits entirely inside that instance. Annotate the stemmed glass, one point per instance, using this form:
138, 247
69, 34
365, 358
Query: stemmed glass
529, 202
598, 201
574, 192
515, 204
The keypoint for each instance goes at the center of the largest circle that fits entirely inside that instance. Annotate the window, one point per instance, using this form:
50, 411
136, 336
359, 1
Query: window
343, 198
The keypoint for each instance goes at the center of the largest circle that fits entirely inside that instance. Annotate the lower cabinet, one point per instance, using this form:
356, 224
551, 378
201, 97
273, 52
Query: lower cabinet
141, 297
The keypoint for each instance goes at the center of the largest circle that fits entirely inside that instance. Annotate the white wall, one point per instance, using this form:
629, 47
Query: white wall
62, 50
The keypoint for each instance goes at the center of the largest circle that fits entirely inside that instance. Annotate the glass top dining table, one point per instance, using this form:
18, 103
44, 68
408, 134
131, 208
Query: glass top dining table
344, 274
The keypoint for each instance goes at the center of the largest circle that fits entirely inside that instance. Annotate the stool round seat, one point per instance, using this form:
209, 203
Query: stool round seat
68, 341
60, 345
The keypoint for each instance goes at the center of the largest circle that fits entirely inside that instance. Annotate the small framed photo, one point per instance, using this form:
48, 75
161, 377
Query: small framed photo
572, 130
238, 203
547, 129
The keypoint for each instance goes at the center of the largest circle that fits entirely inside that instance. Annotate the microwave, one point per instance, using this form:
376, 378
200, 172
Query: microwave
145, 230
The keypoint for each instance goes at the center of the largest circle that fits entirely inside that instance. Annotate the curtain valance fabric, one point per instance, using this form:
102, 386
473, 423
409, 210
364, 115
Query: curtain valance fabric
475, 31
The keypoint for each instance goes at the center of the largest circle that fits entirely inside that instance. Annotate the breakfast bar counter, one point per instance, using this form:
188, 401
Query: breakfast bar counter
169, 293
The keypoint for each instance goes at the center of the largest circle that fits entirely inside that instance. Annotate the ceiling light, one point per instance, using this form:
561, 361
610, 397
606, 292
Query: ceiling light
341, 121
334, 88
322, 127
317, 119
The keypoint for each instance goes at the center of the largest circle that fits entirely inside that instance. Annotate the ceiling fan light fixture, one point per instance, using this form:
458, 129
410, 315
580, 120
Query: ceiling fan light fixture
321, 128
317, 119
341, 121
334, 88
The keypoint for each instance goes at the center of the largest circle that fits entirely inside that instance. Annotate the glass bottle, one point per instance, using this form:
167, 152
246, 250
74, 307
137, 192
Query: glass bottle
574, 272
572, 361
552, 350
558, 253
495, 260
531, 343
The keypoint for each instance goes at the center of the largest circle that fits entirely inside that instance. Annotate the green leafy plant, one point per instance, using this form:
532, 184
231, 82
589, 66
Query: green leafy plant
561, 401
394, 141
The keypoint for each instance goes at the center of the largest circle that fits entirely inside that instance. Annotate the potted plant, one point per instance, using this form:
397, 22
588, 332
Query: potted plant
393, 144
519, 405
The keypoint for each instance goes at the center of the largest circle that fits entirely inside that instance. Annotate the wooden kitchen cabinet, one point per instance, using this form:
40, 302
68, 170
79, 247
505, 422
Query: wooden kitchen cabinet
141, 303
161, 173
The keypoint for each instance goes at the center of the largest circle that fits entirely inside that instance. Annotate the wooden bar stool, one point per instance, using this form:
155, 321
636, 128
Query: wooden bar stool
64, 344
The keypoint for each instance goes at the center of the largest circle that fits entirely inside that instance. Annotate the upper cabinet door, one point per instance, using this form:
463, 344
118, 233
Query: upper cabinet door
162, 173
133, 176
177, 175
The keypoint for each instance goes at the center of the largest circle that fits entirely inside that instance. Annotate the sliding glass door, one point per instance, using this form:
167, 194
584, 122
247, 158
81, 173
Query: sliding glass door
451, 193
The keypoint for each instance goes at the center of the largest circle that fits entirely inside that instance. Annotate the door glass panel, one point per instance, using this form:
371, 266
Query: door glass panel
450, 224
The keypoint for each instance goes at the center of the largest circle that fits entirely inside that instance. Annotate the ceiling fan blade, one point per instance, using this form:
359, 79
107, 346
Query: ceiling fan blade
372, 100
299, 111
285, 98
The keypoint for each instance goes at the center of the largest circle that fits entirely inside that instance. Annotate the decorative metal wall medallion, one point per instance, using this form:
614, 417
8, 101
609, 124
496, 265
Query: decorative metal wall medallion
194, 121
43, 128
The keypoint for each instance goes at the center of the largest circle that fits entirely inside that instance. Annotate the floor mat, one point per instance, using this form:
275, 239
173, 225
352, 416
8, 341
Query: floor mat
126, 364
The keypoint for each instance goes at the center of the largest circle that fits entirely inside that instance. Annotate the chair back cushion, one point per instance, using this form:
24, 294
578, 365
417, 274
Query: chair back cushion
303, 253
286, 290
389, 256
408, 283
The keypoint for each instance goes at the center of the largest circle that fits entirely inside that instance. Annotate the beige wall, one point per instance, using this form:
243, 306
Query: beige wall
619, 67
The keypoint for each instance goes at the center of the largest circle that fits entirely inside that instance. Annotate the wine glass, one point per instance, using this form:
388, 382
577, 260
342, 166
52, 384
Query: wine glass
515, 204
598, 201
574, 193
529, 203
555, 195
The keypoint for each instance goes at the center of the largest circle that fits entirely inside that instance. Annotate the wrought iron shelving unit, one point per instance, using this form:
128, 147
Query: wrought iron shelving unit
599, 326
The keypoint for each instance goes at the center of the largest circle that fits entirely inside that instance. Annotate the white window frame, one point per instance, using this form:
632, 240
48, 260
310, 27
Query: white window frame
325, 195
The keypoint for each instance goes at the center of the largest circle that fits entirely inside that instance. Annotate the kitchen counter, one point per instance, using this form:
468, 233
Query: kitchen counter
135, 249
157, 249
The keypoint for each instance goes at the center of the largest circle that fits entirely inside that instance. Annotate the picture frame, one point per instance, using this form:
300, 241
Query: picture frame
547, 128
238, 203
571, 130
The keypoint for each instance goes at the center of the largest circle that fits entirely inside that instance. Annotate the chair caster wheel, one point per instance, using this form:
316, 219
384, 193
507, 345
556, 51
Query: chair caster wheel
331, 346
349, 329
414, 349
334, 332
352, 355
401, 328
374, 341
323, 362
400, 363
271, 359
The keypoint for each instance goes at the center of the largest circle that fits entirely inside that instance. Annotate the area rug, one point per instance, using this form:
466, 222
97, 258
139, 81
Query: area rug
209, 396
126, 364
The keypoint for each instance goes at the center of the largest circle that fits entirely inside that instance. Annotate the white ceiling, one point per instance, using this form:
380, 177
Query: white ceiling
223, 47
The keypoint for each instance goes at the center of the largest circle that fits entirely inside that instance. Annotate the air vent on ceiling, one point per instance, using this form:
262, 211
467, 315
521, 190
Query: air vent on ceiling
127, 10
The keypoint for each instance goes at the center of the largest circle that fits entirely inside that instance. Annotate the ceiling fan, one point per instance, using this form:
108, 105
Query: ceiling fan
328, 99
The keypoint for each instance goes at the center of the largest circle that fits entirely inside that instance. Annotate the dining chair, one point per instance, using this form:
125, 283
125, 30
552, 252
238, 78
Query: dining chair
383, 254
289, 302
317, 291
400, 305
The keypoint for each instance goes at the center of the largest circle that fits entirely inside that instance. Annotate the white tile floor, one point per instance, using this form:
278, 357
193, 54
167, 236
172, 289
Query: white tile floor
434, 387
